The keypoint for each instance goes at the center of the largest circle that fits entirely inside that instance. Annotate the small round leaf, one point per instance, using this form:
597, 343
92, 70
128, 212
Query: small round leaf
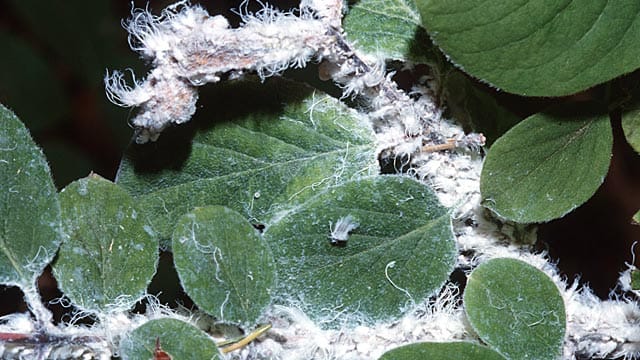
516, 309
223, 264
174, 337
110, 255
442, 351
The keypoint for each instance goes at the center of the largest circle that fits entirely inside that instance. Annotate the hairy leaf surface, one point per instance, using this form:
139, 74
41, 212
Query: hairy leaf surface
546, 166
401, 251
516, 309
110, 255
537, 47
30, 230
223, 264
442, 351
176, 338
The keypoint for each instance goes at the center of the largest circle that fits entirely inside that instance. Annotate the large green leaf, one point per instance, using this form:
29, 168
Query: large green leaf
223, 264
546, 166
254, 164
516, 309
110, 255
401, 252
390, 29
537, 47
442, 351
30, 230
175, 338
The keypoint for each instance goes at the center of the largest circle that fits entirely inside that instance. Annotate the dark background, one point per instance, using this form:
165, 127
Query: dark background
54, 55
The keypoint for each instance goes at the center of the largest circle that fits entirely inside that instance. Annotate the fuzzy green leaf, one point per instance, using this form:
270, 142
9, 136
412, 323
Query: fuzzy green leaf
29, 207
390, 29
537, 47
110, 255
402, 250
546, 166
252, 163
442, 351
636, 218
516, 309
635, 279
176, 338
631, 127
223, 264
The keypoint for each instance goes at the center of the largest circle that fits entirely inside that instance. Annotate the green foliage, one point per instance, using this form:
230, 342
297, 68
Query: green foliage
635, 279
538, 47
390, 29
223, 264
110, 255
516, 309
258, 164
295, 163
31, 228
176, 338
442, 351
402, 250
295, 171
631, 127
546, 166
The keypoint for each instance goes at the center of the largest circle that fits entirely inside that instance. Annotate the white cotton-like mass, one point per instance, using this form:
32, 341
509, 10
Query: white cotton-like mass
344, 225
189, 48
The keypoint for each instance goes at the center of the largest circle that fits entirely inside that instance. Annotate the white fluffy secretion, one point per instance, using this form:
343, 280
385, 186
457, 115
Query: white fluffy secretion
344, 225
189, 48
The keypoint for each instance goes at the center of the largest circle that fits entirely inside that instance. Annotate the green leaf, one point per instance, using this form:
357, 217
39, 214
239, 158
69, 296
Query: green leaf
401, 252
546, 166
516, 309
29, 209
390, 29
176, 338
223, 264
442, 351
636, 218
631, 127
537, 47
254, 163
110, 256
635, 279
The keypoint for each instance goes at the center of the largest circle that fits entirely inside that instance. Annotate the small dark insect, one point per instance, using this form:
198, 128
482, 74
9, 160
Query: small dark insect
259, 227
